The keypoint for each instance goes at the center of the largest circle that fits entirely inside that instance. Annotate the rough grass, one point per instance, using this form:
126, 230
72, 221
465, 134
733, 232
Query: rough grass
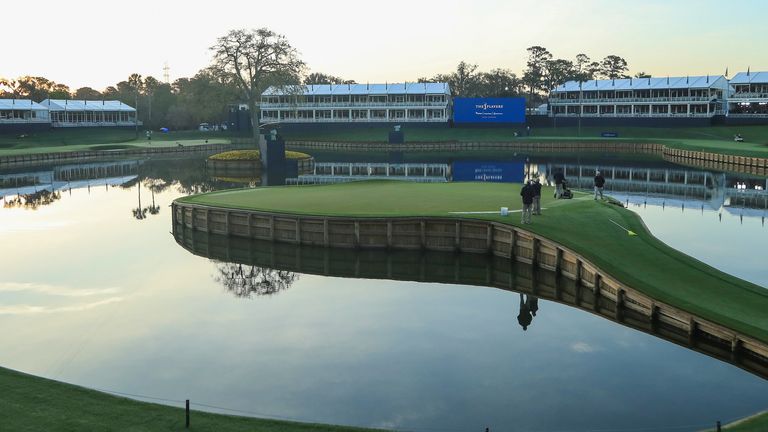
29, 403
642, 262
251, 155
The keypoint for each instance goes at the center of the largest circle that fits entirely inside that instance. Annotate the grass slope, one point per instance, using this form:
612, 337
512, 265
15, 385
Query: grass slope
66, 140
642, 262
29, 403
757, 423
718, 139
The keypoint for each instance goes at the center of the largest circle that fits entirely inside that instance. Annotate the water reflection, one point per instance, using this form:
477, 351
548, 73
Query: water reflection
32, 201
528, 307
430, 266
247, 281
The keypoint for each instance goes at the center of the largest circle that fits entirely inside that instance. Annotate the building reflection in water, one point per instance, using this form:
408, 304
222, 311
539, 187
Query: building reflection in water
667, 185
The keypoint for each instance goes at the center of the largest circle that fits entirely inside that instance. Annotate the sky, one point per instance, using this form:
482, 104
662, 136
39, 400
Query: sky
97, 44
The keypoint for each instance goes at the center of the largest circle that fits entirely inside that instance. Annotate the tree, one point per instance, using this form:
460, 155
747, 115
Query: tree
320, 78
642, 75
613, 67
536, 66
584, 68
463, 82
557, 72
498, 83
150, 85
36, 88
255, 59
87, 93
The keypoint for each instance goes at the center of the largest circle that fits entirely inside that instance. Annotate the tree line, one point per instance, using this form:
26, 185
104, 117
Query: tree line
246, 62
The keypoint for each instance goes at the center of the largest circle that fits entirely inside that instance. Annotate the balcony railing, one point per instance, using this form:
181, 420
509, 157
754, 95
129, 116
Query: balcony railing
95, 124
586, 101
647, 115
342, 105
749, 96
356, 120
17, 120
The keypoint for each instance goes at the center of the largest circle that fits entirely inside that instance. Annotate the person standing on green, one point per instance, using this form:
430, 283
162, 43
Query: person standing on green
559, 180
527, 194
536, 196
599, 184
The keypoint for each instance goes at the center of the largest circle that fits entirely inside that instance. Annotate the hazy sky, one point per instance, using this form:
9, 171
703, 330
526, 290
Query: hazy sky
97, 43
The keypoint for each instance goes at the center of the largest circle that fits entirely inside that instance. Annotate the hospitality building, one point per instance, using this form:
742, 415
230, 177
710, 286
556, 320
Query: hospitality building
357, 103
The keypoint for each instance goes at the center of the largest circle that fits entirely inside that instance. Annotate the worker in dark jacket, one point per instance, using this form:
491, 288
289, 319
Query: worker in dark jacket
527, 193
599, 184
536, 196
559, 180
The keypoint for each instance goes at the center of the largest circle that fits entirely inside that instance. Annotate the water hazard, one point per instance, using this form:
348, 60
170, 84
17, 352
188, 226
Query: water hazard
99, 290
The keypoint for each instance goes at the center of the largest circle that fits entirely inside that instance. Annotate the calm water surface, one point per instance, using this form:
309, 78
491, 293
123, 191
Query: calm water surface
94, 296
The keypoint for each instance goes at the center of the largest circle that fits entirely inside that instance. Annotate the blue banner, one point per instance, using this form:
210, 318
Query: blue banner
489, 110
498, 172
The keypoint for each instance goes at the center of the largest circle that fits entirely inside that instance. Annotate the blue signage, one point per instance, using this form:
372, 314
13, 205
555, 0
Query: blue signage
609, 134
489, 110
498, 172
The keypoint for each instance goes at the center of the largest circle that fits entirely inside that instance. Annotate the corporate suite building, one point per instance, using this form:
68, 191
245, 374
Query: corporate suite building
357, 103
668, 101
24, 115
663, 101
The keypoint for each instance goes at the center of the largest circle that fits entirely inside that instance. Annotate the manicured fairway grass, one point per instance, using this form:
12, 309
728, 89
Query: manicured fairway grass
29, 403
718, 139
100, 139
642, 262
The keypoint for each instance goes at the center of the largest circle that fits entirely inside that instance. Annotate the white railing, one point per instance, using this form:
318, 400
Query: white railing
355, 120
587, 101
749, 96
350, 105
23, 120
96, 124
624, 115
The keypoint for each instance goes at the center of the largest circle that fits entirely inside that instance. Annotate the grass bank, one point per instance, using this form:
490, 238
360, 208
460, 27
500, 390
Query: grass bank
29, 403
716, 139
583, 225
67, 140
757, 423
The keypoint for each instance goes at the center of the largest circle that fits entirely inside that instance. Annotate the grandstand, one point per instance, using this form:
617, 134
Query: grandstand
688, 97
22, 115
84, 113
750, 95
357, 103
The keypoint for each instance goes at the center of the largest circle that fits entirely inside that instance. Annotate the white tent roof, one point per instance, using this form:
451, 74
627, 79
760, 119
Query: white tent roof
20, 104
692, 82
86, 105
361, 89
752, 78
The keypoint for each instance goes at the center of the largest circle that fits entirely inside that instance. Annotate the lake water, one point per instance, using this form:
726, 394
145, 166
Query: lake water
96, 291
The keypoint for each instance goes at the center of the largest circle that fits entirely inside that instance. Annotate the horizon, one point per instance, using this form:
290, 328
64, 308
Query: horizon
402, 49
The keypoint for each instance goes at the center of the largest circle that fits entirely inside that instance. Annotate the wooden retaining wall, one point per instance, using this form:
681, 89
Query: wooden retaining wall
717, 161
698, 159
250, 167
461, 235
465, 269
85, 155
522, 146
